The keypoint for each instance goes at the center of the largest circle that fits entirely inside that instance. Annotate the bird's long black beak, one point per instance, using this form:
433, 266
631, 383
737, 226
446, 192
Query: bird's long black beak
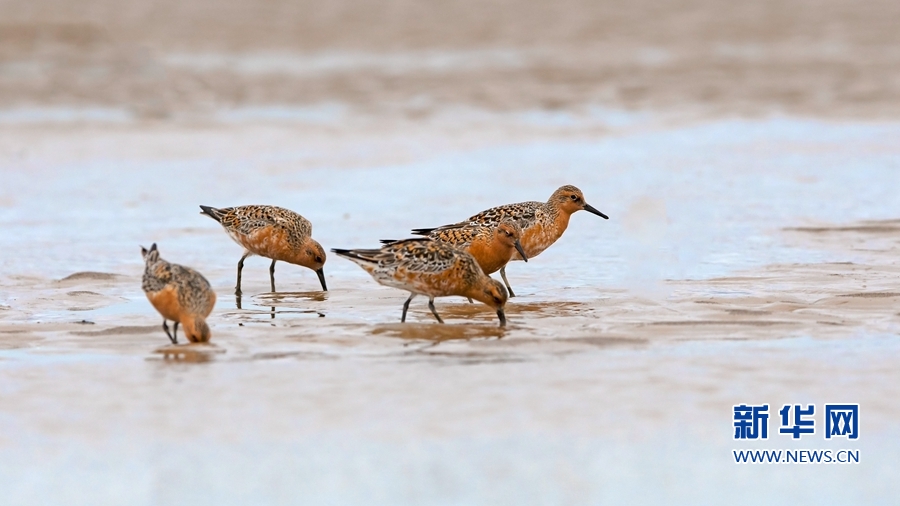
520, 250
589, 208
321, 274
502, 316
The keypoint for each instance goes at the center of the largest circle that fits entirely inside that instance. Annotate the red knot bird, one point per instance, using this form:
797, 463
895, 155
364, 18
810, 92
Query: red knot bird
180, 294
431, 268
542, 222
271, 232
492, 247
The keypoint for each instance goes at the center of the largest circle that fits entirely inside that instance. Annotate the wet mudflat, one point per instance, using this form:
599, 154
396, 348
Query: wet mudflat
745, 261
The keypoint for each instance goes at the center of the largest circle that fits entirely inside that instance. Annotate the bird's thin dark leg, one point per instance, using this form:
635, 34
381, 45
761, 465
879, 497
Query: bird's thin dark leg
237, 288
175, 332
166, 328
433, 310
272, 275
470, 300
406, 307
506, 281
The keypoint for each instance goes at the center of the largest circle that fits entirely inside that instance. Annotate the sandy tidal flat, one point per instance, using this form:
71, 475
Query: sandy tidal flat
743, 262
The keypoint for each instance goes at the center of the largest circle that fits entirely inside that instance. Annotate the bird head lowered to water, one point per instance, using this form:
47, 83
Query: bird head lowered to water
493, 293
314, 258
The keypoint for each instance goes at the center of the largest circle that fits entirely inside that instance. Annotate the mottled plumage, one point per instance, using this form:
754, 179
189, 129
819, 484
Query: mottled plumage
271, 232
542, 222
431, 268
180, 294
492, 247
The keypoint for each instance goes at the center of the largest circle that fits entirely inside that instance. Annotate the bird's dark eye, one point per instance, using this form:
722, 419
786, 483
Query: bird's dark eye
318, 259
575, 198
497, 300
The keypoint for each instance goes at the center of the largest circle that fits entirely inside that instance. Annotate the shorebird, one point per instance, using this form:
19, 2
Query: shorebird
180, 294
492, 247
542, 222
432, 268
271, 232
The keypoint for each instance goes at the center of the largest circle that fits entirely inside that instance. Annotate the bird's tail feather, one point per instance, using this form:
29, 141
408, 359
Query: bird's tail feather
356, 254
212, 212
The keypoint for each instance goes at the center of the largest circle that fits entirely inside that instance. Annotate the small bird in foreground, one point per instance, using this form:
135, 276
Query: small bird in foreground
271, 232
180, 294
432, 268
542, 222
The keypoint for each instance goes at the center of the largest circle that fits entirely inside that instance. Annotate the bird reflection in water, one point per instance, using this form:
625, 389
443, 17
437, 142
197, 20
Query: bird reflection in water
189, 353
289, 301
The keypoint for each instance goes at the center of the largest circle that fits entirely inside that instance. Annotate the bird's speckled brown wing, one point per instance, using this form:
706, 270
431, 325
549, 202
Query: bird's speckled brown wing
247, 219
424, 266
413, 255
461, 235
525, 214
194, 293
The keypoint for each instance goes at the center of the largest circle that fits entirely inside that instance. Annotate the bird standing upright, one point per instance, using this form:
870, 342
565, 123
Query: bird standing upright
542, 222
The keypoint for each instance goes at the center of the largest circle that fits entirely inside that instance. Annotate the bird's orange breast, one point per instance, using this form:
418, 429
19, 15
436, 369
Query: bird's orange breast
542, 235
490, 256
166, 302
269, 242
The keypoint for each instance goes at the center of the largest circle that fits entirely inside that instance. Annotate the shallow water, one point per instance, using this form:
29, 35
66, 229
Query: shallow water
744, 261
